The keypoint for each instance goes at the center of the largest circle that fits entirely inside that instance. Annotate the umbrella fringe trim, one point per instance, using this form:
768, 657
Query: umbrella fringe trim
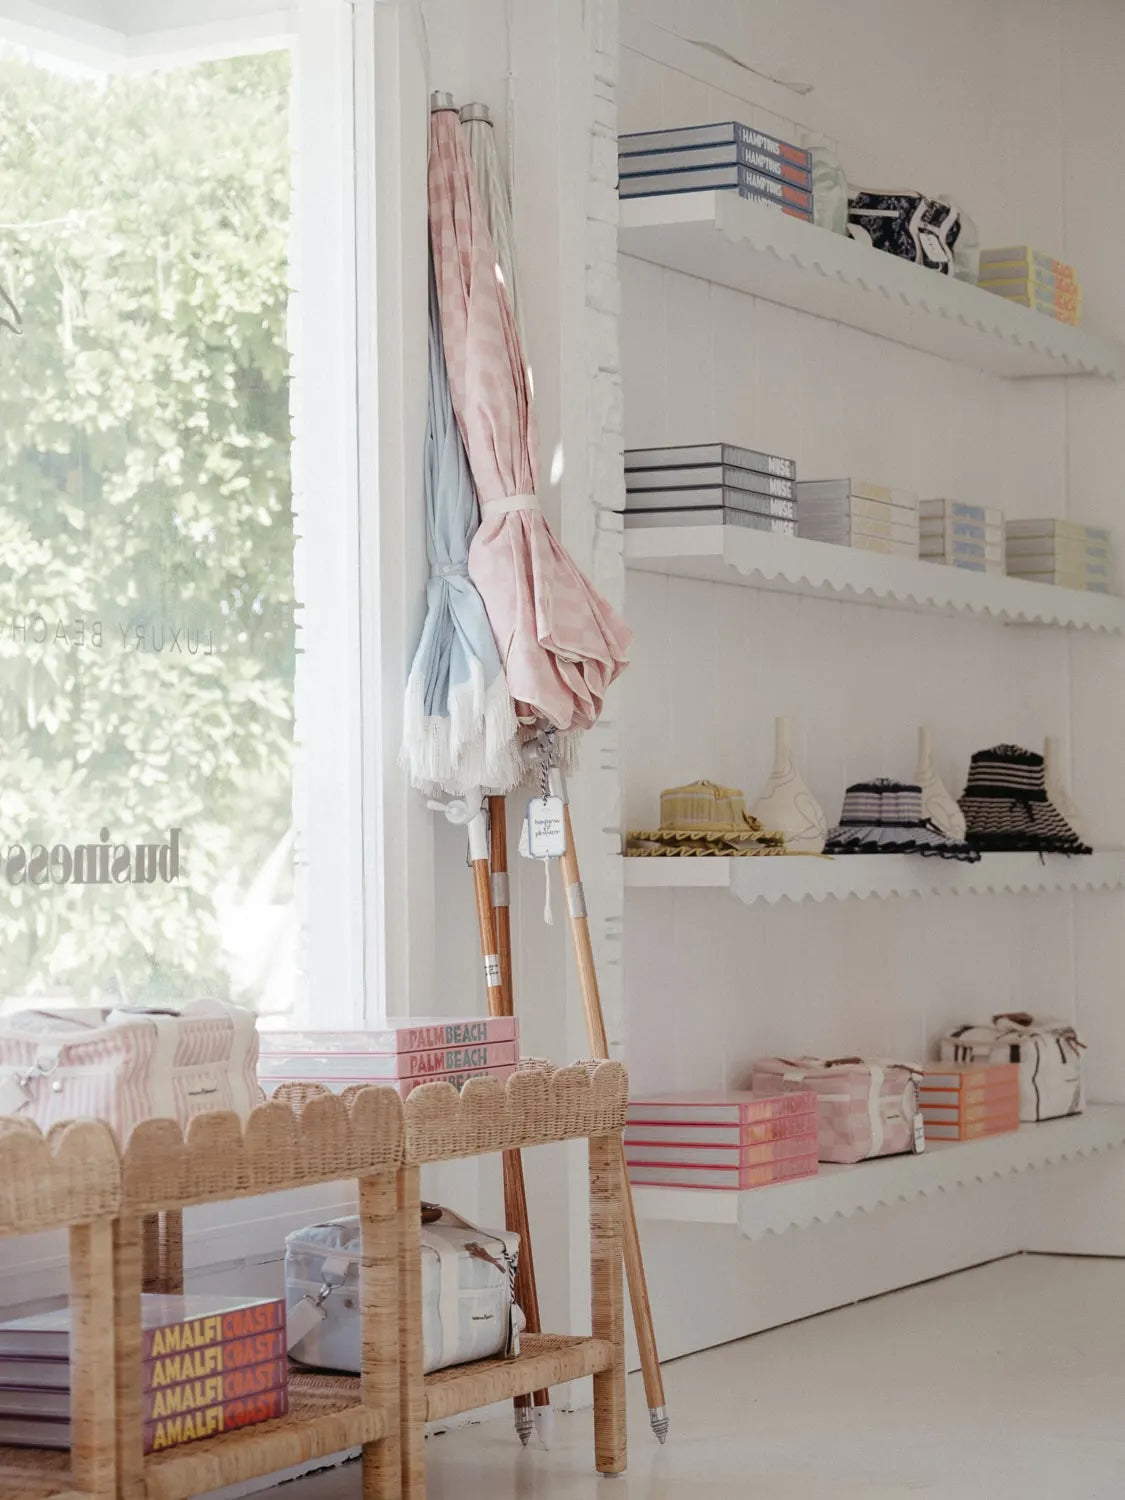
474, 745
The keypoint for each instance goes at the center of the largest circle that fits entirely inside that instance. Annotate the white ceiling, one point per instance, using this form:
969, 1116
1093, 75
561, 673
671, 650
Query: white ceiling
130, 33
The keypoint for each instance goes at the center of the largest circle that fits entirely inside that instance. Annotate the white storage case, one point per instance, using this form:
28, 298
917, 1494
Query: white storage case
468, 1304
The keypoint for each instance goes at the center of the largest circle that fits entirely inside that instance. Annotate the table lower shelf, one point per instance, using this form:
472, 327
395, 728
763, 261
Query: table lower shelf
840, 1192
36, 1474
324, 1417
545, 1360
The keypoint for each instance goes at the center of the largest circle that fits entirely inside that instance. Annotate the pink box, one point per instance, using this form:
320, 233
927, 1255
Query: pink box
647, 1154
730, 1107
866, 1108
724, 1179
757, 1134
402, 1086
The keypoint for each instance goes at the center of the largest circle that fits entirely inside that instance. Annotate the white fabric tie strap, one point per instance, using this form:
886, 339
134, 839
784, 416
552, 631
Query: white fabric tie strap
512, 502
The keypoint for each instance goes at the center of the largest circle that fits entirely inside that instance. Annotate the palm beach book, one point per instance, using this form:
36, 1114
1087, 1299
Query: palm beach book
728, 154
700, 455
289, 1070
397, 1065
169, 1326
712, 180
700, 178
35, 1431
695, 476
640, 142
421, 1034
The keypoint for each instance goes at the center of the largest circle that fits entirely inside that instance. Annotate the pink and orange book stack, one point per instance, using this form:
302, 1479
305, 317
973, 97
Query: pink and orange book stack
732, 1141
402, 1055
962, 1101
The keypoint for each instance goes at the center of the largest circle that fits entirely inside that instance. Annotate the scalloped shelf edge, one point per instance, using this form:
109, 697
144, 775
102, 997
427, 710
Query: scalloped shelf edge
696, 233
886, 1183
751, 559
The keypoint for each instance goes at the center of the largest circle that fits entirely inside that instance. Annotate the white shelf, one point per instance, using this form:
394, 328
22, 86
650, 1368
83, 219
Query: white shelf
773, 878
795, 565
839, 1192
735, 242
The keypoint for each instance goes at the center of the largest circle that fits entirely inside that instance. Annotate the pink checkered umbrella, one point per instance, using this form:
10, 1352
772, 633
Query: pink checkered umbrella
560, 642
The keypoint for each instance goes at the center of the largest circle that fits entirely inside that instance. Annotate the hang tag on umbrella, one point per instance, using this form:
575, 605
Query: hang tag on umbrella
543, 837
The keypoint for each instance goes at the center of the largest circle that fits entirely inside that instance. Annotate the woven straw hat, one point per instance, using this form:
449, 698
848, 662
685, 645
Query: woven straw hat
885, 817
703, 818
1006, 805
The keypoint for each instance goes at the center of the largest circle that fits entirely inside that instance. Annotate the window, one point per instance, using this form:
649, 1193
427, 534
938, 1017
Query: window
179, 742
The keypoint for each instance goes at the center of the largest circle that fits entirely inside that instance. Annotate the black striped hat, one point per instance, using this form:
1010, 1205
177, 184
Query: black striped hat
1006, 805
885, 817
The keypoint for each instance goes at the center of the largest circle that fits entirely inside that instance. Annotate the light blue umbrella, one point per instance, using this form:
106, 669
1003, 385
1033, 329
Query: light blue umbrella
459, 729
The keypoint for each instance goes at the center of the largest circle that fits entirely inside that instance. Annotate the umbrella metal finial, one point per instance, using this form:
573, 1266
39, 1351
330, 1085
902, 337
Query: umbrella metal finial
441, 100
476, 111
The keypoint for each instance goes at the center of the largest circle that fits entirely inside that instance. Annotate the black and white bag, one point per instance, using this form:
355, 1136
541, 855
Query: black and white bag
907, 224
468, 1284
1049, 1054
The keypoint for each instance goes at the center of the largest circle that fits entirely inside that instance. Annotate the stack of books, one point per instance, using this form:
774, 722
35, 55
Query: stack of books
399, 1054
710, 484
210, 1365
731, 1141
726, 157
961, 1101
1064, 553
856, 513
1033, 279
962, 535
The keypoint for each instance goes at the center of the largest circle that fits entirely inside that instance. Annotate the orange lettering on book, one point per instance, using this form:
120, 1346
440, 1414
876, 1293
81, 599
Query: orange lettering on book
247, 1320
254, 1350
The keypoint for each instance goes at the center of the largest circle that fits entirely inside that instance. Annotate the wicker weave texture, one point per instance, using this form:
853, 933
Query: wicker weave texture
321, 1138
70, 1176
537, 1105
545, 1360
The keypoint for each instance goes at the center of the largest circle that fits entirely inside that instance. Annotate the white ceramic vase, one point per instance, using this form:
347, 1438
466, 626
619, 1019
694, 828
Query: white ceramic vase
1056, 787
786, 805
937, 805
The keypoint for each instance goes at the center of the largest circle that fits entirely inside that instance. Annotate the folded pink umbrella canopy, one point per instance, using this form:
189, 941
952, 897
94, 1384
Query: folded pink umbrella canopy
560, 642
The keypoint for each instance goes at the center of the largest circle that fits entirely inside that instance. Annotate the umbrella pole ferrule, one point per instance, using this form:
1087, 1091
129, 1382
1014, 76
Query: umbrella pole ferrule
658, 1417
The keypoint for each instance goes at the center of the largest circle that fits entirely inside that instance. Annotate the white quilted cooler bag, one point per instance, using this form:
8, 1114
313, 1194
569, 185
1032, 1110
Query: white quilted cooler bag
468, 1306
125, 1065
1049, 1054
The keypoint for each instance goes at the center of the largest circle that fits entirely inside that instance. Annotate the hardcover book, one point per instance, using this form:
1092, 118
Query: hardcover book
729, 154
159, 1402
732, 1158
723, 132
855, 489
168, 1432
736, 1107
711, 497
169, 1325
662, 185
421, 1034
712, 516
698, 455
1072, 531
383, 1066
404, 1087
726, 1180
699, 178
752, 1133
698, 476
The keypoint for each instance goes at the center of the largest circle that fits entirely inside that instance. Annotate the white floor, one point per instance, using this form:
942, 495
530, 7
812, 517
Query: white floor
1002, 1382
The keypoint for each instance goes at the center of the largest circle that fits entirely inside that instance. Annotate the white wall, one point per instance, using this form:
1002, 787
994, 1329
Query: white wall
1016, 112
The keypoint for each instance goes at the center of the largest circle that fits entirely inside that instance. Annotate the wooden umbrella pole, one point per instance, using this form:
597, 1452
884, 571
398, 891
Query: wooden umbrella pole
599, 1046
515, 1192
494, 988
